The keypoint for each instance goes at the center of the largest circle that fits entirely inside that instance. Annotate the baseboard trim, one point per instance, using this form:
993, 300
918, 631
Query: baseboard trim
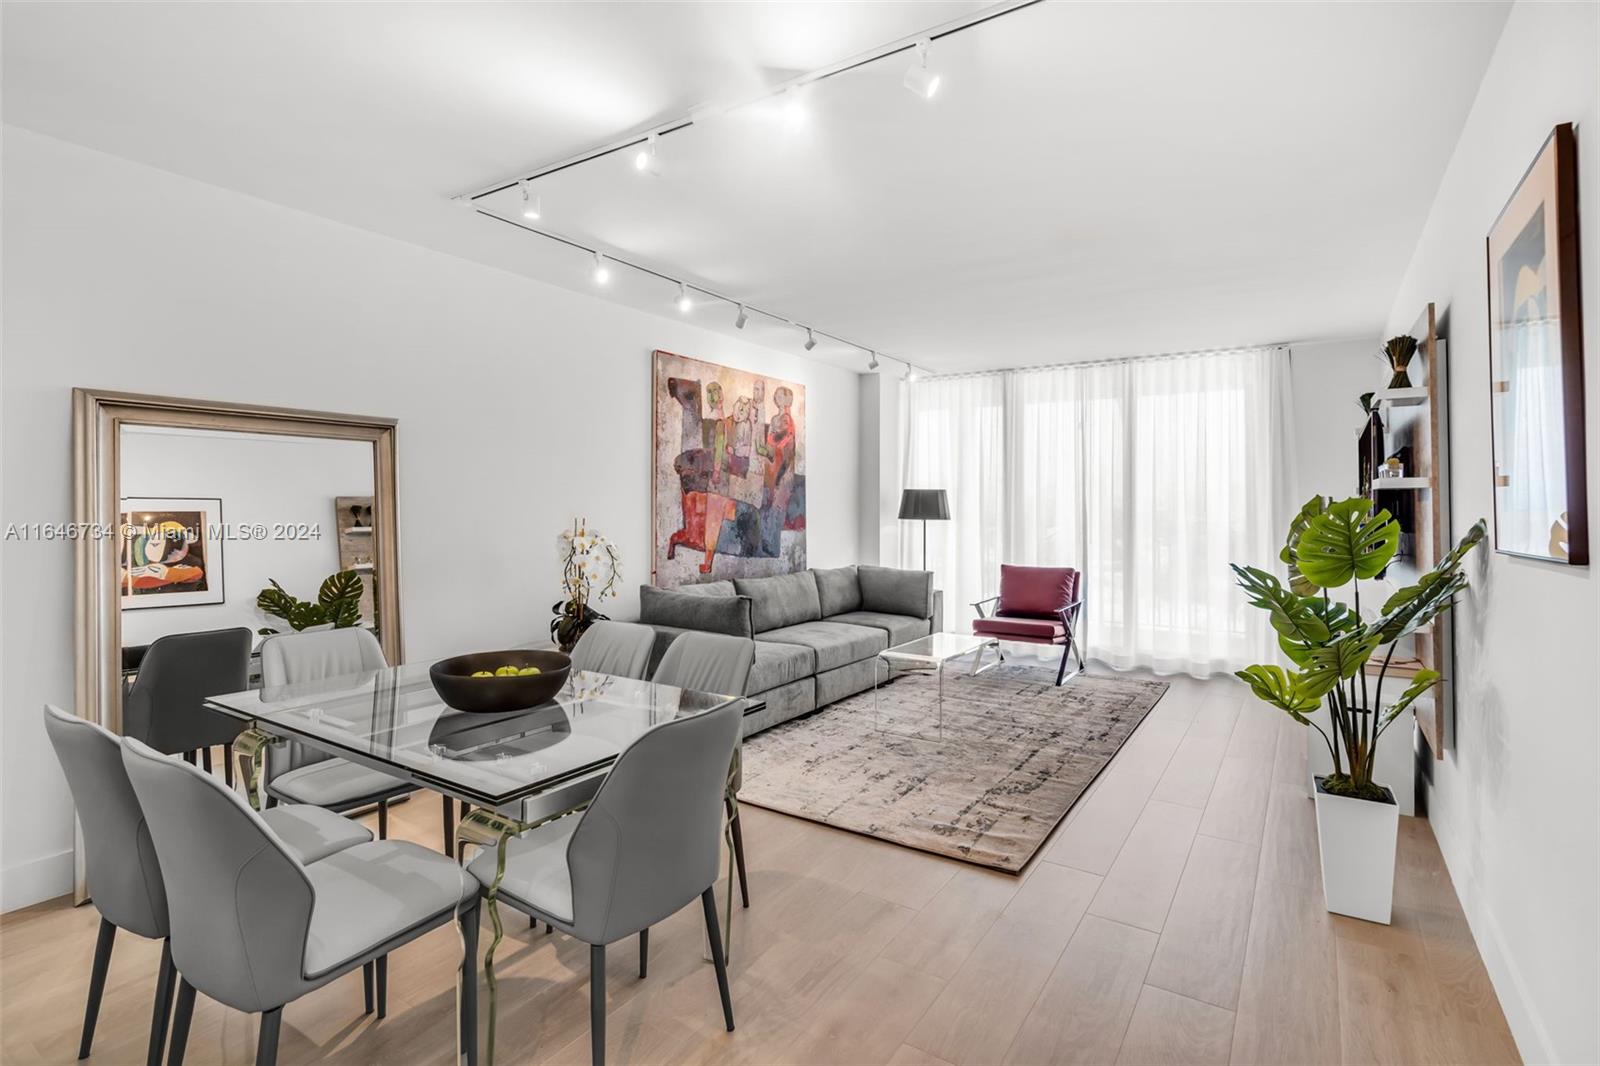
35, 881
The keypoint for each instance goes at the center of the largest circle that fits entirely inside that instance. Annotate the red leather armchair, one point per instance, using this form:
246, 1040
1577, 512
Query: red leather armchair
1036, 605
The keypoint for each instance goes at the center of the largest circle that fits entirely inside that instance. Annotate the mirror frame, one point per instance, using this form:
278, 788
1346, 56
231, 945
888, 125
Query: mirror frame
97, 420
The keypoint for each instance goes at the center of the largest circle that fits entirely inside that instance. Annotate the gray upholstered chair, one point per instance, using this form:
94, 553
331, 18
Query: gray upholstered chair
621, 649
255, 928
645, 847
296, 773
711, 662
165, 705
124, 877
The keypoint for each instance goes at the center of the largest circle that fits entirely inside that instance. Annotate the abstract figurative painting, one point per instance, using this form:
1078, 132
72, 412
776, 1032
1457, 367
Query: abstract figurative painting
171, 552
729, 473
1536, 364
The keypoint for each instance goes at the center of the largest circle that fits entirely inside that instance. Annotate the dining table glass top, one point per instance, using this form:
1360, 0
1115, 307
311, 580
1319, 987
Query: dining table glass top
392, 719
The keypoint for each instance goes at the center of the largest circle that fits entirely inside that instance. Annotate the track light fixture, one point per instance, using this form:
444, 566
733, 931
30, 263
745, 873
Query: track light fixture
602, 272
919, 79
739, 322
530, 202
911, 372
872, 360
811, 339
647, 161
685, 305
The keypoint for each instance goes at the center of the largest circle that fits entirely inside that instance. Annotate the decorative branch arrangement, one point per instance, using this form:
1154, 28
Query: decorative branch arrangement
1399, 352
1331, 545
590, 570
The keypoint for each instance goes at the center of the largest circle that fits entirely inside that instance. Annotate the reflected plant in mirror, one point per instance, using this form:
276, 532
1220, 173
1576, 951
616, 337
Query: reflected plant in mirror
338, 604
590, 570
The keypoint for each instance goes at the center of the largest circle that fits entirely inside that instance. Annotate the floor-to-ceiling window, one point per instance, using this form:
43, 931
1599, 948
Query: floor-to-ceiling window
1148, 475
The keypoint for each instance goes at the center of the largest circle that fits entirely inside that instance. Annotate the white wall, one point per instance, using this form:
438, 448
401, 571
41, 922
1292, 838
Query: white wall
520, 405
1514, 802
1327, 378
259, 479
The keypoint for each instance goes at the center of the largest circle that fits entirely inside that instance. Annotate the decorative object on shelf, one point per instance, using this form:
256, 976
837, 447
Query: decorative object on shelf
924, 505
1399, 352
338, 604
1370, 451
729, 473
1541, 507
1331, 545
590, 570
170, 552
1392, 468
493, 682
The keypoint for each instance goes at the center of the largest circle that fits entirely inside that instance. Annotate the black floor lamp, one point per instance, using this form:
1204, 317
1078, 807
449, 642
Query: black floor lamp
924, 505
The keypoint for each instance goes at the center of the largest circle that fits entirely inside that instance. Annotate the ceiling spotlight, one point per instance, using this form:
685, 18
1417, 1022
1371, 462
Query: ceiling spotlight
872, 360
530, 202
602, 272
684, 303
911, 372
919, 79
646, 161
739, 322
792, 103
811, 340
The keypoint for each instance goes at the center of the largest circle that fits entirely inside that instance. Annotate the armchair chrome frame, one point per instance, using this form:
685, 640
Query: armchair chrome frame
1070, 616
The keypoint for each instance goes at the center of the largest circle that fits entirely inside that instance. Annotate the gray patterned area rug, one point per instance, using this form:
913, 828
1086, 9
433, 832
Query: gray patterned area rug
1014, 755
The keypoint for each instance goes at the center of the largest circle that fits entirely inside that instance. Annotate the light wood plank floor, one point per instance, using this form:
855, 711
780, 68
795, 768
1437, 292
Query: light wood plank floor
1176, 916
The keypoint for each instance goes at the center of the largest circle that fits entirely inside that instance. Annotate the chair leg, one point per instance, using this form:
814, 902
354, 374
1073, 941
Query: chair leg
449, 826
188, 757
267, 1039
97, 984
597, 1004
383, 987
161, 1015
366, 988
383, 819
205, 759
227, 764
469, 984
738, 850
708, 900
1066, 651
644, 952
180, 1022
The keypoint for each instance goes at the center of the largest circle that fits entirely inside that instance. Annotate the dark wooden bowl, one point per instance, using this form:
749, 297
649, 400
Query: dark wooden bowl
453, 681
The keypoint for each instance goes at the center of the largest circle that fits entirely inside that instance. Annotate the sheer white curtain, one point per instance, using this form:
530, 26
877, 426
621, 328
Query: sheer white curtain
1149, 475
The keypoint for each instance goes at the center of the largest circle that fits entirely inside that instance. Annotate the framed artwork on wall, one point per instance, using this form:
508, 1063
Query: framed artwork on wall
728, 473
1536, 363
171, 552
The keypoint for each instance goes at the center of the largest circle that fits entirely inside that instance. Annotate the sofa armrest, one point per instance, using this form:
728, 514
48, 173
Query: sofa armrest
938, 611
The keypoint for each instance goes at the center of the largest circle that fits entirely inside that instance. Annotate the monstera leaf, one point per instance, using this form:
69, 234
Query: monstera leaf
1346, 542
274, 601
1275, 685
345, 585
1416, 605
1292, 616
1341, 660
1290, 554
1424, 680
1337, 617
338, 602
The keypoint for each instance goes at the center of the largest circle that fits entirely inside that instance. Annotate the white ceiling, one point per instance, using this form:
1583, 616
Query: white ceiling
1092, 179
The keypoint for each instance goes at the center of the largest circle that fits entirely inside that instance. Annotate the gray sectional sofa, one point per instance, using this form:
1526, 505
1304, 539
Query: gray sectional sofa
817, 632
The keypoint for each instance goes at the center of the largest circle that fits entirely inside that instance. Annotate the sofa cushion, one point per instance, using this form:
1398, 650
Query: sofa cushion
1036, 591
901, 628
893, 591
779, 664
708, 613
785, 600
1031, 629
705, 588
835, 643
838, 590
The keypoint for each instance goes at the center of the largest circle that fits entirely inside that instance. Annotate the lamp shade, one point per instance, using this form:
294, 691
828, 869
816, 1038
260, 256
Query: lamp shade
924, 504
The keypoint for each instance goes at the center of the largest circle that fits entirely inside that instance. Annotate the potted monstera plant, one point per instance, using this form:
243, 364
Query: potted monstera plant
1330, 642
337, 606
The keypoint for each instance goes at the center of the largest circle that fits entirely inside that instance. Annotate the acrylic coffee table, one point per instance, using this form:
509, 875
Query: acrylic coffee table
933, 653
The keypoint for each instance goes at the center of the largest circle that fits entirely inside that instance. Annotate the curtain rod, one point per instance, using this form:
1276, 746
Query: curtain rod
1116, 361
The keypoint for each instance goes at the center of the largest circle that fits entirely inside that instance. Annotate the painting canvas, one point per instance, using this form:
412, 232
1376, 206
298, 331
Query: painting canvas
730, 473
171, 552
1536, 363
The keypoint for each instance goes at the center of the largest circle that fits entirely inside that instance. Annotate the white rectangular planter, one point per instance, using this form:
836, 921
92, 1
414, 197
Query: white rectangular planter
1357, 839
1396, 766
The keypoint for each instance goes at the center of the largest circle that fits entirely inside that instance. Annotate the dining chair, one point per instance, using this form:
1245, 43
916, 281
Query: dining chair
165, 707
621, 649
1036, 605
297, 773
645, 847
255, 928
125, 879
712, 662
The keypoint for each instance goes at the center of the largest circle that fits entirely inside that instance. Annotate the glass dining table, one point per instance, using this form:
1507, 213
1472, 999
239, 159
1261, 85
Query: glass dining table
517, 769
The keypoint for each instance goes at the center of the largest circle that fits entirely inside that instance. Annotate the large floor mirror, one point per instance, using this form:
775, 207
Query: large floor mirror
217, 525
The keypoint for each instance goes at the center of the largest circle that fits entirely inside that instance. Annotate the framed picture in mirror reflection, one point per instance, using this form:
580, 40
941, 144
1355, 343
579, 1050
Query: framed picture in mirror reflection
170, 552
